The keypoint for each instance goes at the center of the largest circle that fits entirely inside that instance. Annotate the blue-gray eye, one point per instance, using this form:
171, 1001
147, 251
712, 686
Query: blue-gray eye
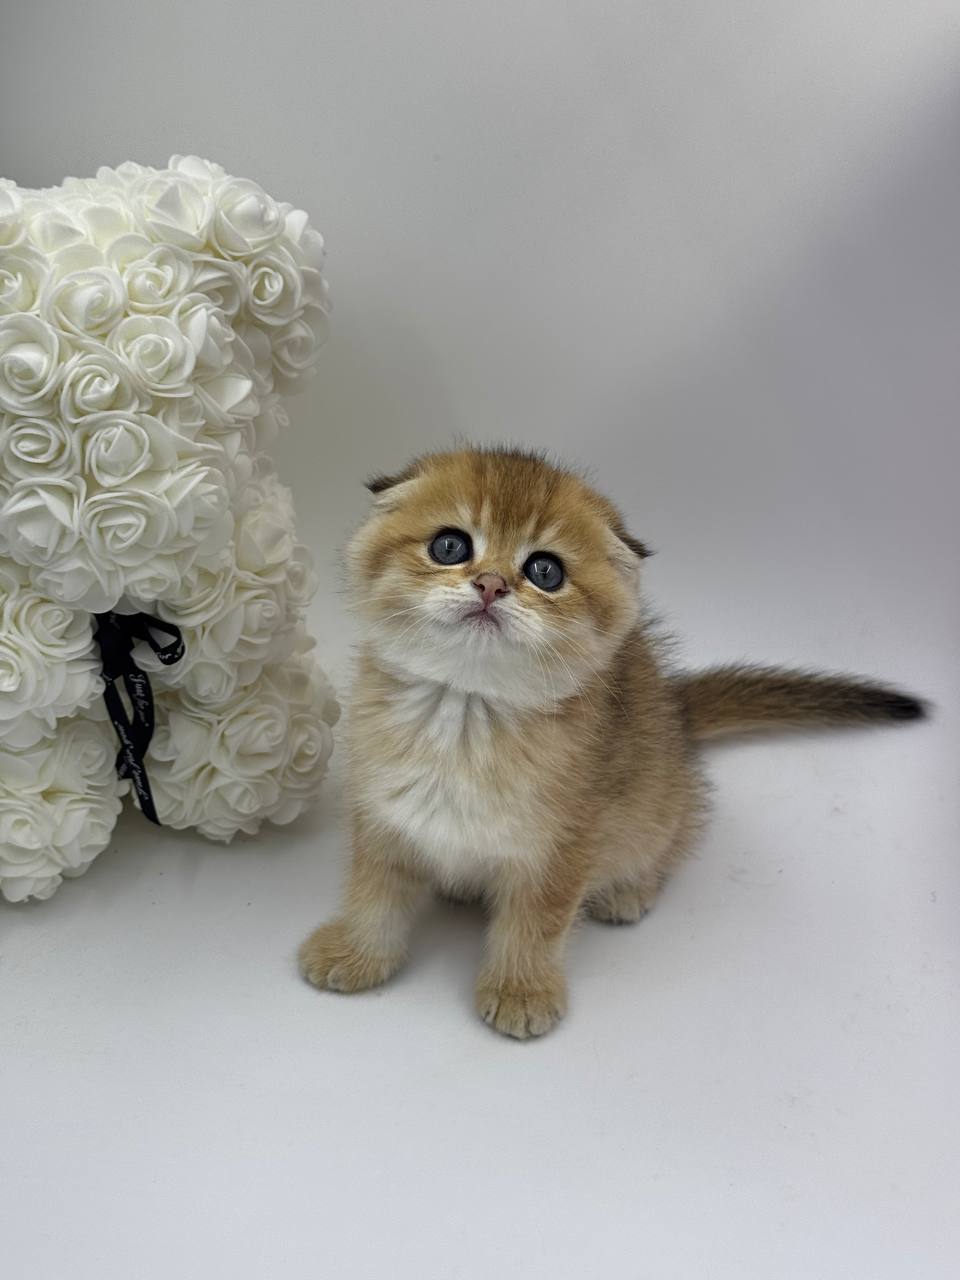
544, 571
451, 546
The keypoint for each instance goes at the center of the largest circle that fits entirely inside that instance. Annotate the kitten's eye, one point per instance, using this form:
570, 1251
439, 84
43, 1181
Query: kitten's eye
544, 571
451, 546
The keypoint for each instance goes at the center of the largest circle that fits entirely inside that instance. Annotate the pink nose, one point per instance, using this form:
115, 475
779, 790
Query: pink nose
491, 587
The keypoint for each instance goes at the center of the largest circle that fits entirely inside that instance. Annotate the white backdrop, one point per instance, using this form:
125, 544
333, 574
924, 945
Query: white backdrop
709, 251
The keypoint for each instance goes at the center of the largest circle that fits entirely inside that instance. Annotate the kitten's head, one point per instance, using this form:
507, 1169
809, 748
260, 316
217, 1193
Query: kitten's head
495, 573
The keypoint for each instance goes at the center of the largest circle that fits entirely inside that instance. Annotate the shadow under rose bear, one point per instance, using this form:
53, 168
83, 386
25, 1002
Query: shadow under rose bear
150, 320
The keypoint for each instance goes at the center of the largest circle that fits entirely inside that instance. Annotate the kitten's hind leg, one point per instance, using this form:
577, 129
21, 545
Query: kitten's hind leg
634, 883
623, 901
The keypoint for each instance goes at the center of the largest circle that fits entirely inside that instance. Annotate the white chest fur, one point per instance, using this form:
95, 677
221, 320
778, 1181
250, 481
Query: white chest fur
443, 783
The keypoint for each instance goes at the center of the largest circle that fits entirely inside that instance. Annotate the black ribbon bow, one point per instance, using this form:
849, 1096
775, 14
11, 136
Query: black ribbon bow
116, 634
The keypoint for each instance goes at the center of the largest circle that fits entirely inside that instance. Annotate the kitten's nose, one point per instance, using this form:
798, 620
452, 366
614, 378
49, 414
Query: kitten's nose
491, 587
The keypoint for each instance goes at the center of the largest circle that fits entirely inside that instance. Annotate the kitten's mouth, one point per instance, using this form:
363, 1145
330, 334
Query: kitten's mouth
483, 619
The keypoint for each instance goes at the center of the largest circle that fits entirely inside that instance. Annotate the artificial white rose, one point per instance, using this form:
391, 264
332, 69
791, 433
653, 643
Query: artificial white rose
234, 456
246, 220
40, 520
207, 330
125, 526
26, 830
154, 581
224, 283
81, 582
173, 210
84, 303
204, 173
312, 712
56, 634
96, 381
254, 355
296, 347
132, 247
202, 597
106, 216
309, 747
22, 273
17, 888
259, 625
52, 227
186, 415
275, 287
13, 578
30, 363
150, 516
252, 736
117, 447
226, 398
124, 177
32, 448
82, 826
161, 360
158, 279
35, 689
102, 215
269, 422
264, 535
87, 753
301, 577
12, 227
211, 681
304, 241
199, 496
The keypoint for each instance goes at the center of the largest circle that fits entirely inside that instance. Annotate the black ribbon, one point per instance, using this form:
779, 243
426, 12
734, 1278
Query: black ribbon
117, 634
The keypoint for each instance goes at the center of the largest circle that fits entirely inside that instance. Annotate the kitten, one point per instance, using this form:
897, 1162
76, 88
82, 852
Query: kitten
513, 734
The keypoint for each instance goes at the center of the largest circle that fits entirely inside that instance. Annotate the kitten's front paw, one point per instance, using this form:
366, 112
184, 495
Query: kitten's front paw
519, 1012
332, 960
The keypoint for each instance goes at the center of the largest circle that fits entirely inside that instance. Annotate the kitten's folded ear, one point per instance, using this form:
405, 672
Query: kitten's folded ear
625, 551
639, 549
389, 490
380, 483
636, 546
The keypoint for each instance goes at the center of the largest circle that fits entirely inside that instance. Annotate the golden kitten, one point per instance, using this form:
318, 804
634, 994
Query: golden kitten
513, 734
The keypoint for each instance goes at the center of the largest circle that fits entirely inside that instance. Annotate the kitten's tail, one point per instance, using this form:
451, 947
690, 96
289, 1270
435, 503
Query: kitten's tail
742, 699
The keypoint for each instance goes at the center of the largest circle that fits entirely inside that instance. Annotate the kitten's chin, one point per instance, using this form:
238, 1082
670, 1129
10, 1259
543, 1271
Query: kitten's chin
475, 660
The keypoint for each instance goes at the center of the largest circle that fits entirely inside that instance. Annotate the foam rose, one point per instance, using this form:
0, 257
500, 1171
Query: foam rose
31, 448
22, 273
30, 363
96, 381
246, 220
161, 360
172, 209
157, 278
85, 303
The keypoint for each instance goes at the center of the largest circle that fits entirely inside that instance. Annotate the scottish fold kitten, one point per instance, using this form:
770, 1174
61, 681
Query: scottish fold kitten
513, 733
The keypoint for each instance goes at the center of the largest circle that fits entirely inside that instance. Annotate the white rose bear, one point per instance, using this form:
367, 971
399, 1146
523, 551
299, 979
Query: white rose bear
152, 591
